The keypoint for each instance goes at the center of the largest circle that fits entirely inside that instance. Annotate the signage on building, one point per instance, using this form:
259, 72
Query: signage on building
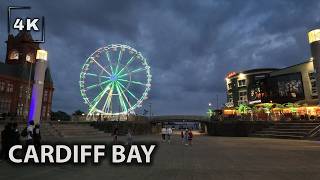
231, 74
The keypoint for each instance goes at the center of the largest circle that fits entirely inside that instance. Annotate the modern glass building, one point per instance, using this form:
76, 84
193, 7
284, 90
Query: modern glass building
295, 84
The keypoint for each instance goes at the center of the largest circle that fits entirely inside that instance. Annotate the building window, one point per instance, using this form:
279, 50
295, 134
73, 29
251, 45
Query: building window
243, 97
30, 58
10, 87
241, 83
43, 111
229, 86
14, 55
48, 111
312, 77
45, 96
2, 86
5, 105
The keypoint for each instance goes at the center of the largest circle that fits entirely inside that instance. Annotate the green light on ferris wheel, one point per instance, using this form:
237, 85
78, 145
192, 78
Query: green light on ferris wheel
115, 80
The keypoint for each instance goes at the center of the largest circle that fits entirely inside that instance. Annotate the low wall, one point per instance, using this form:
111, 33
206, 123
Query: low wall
136, 127
236, 128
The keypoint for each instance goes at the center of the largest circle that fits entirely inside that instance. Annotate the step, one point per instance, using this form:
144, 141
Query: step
289, 130
278, 136
283, 133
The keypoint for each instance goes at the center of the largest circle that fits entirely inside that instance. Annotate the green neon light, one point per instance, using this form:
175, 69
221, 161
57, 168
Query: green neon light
114, 82
96, 101
96, 85
110, 64
134, 82
129, 62
121, 101
129, 91
119, 57
126, 98
134, 71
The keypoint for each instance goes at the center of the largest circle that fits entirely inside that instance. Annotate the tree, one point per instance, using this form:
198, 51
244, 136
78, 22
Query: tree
60, 115
78, 112
243, 108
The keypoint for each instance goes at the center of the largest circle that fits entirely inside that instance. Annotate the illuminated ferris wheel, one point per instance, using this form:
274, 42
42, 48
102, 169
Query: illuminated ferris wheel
115, 80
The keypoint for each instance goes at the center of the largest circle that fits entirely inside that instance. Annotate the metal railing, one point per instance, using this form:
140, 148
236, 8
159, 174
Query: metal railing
314, 131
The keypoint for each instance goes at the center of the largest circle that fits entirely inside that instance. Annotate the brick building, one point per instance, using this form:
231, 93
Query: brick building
16, 78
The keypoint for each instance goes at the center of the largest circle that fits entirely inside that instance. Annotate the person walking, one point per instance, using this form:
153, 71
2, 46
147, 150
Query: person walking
15, 134
129, 138
163, 134
186, 137
182, 136
115, 135
190, 136
5, 141
169, 133
37, 136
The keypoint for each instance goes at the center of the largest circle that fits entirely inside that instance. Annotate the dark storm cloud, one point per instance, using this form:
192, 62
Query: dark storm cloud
191, 45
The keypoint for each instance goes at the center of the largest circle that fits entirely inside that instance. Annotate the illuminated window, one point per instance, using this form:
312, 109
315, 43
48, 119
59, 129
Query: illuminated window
312, 77
5, 105
10, 87
30, 58
241, 83
14, 55
45, 95
43, 111
2, 86
243, 97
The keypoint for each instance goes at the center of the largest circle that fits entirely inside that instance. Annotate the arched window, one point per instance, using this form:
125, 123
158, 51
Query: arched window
30, 57
14, 55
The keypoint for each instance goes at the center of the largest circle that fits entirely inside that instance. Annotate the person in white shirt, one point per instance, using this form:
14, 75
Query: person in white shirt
169, 133
163, 133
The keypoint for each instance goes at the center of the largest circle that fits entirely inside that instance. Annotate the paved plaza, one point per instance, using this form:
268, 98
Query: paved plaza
209, 158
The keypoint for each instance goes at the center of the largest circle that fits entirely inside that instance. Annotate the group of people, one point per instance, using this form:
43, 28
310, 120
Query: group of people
11, 136
186, 136
166, 133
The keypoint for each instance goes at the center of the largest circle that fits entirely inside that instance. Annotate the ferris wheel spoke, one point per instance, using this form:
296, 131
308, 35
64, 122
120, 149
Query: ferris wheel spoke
98, 98
121, 101
126, 98
128, 91
96, 75
109, 60
97, 85
107, 103
133, 82
128, 63
134, 71
118, 62
101, 67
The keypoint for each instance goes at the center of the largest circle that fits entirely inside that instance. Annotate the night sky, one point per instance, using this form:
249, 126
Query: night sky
190, 45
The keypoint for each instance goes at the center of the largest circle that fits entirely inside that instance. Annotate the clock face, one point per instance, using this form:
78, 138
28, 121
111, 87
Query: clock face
14, 55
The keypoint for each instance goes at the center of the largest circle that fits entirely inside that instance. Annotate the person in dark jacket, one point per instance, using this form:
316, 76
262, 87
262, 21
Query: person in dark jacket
37, 136
115, 135
5, 141
15, 134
